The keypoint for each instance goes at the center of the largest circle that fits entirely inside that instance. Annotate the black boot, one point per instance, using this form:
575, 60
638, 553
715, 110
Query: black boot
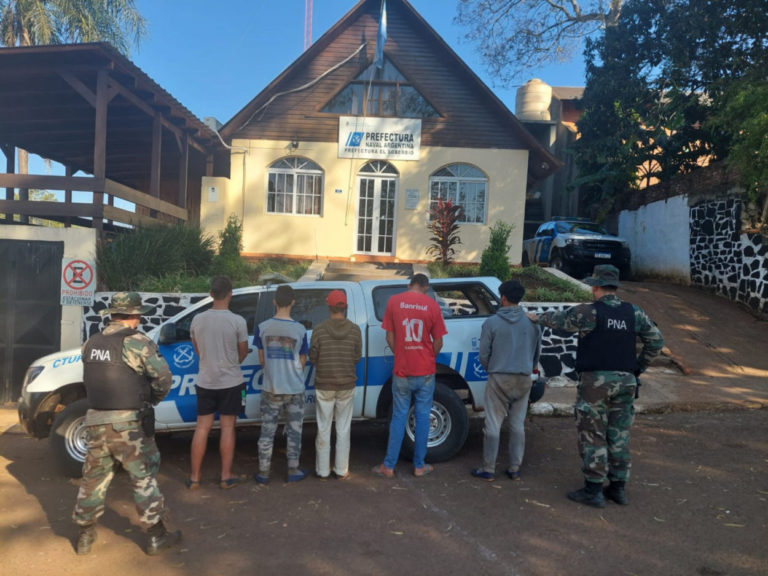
160, 539
590, 495
86, 537
616, 492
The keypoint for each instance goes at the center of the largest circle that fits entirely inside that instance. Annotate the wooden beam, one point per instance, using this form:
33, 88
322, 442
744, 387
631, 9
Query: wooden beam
68, 195
100, 139
78, 86
157, 156
149, 110
40, 182
10, 168
143, 199
59, 209
126, 217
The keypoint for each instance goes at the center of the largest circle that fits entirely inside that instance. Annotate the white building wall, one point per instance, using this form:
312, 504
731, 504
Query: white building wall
659, 237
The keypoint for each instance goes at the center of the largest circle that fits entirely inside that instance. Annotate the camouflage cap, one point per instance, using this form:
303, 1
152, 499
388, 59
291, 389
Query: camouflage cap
604, 275
127, 303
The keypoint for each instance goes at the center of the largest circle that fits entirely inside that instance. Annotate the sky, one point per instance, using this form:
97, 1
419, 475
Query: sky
214, 57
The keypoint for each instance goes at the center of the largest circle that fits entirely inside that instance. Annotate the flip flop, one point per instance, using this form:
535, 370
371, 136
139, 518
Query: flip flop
230, 483
426, 469
383, 472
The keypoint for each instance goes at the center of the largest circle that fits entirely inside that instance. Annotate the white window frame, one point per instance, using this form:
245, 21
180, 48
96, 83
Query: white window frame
465, 175
295, 169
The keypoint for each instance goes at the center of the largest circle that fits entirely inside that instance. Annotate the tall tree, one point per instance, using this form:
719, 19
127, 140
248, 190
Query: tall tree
515, 36
36, 22
656, 82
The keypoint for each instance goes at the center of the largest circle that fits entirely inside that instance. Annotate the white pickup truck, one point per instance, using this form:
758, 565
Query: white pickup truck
53, 402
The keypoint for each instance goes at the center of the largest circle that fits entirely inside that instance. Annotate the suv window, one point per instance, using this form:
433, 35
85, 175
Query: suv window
310, 308
243, 304
459, 299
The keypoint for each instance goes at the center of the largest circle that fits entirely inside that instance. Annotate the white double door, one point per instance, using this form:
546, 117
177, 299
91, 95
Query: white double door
376, 215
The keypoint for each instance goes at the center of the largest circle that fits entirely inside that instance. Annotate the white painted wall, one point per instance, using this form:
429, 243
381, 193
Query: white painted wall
659, 237
78, 243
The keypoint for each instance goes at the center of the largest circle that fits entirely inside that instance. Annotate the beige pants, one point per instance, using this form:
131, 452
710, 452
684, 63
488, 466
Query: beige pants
333, 405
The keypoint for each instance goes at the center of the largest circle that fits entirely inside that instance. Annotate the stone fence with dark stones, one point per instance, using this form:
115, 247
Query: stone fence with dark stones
558, 356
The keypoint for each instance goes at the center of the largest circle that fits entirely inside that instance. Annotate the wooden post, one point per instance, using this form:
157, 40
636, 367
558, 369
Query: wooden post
68, 196
10, 168
184, 171
100, 145
157, 153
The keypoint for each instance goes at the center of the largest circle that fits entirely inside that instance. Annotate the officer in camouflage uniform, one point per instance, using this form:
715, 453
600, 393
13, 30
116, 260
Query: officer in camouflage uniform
605, 358
124, 376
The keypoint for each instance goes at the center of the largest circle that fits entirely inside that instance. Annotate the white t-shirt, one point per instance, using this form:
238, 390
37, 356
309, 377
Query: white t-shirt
217, 334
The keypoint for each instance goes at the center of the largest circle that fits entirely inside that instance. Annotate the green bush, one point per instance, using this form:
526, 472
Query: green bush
228, 261
494, 260
124, 262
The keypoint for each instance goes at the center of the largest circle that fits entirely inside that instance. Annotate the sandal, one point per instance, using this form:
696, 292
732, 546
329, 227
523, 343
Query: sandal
230, 483
423, 471
192, 484
383, 472
483, 474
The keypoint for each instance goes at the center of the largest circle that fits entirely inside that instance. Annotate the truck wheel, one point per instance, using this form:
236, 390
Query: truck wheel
448, 426
557, 263
67, 439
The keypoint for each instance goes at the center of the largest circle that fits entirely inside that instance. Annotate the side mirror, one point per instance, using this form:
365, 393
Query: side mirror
167, 333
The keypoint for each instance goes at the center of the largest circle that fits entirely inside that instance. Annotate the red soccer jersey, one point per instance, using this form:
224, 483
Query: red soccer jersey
416, 321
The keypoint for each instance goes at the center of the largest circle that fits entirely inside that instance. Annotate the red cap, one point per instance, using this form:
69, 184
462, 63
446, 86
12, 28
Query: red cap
336, 298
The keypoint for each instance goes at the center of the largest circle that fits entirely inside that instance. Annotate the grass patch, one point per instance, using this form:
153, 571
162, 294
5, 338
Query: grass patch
540, 285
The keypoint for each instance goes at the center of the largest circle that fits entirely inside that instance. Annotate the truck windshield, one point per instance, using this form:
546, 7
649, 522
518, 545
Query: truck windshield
576, 227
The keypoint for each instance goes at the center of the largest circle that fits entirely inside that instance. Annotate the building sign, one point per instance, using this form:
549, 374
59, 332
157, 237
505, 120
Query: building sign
379, 138
78, 282
411, 198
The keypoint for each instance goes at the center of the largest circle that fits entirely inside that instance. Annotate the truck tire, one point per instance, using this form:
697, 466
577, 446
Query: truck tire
557, 263
67, 439
448, 426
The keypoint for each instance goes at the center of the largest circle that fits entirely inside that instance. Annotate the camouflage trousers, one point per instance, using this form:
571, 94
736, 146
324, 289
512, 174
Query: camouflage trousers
604, 414
271, 404
122, 442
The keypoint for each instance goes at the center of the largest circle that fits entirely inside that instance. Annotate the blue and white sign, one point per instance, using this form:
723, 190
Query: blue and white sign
379, 138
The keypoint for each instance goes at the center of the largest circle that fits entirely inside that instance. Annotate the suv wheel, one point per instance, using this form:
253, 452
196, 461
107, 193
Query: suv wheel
557, 263
448, 426
67, 440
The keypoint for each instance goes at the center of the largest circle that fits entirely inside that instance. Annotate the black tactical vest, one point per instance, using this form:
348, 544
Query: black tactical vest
611, 345
110, 383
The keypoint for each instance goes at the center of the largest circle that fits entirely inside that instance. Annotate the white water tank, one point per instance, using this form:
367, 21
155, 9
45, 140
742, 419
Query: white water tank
532, 101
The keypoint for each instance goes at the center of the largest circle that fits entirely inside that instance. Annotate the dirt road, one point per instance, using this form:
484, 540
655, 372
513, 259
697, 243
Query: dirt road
699, 506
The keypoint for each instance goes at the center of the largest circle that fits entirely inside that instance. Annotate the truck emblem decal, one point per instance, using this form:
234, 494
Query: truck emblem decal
184, 356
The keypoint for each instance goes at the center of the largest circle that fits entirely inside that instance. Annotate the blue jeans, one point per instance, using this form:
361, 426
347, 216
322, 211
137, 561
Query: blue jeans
423, 389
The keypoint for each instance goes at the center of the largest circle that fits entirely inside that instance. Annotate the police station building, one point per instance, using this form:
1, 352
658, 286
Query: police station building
343, 154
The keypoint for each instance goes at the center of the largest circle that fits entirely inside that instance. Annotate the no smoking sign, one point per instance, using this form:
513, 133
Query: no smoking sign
78, 280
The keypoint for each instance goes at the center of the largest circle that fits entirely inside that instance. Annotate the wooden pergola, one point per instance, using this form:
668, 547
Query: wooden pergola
91, 109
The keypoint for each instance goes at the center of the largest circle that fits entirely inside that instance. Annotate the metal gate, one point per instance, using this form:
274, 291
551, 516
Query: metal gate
30, 313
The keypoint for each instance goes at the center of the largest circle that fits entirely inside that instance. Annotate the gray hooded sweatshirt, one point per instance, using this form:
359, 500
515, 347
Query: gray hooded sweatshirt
509, 342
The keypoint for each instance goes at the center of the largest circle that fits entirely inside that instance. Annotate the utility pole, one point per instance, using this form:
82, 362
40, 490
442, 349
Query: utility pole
307, 23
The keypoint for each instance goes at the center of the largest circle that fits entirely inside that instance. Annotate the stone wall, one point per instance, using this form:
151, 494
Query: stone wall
558, 356
725, 259
166, 307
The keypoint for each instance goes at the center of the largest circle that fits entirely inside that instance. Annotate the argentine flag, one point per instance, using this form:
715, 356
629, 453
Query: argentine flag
381, 36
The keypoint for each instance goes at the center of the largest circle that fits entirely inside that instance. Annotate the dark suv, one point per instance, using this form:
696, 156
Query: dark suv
575, 246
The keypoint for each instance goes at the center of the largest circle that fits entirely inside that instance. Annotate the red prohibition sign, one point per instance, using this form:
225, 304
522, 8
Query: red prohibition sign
78, 275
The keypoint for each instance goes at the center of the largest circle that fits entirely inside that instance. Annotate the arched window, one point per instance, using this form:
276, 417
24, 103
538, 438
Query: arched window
295, 186
463, 185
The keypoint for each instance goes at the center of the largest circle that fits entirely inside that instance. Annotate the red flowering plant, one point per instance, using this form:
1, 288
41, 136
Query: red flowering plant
444, 218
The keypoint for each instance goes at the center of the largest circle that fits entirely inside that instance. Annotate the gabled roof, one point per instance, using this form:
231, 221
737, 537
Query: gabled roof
472, 115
